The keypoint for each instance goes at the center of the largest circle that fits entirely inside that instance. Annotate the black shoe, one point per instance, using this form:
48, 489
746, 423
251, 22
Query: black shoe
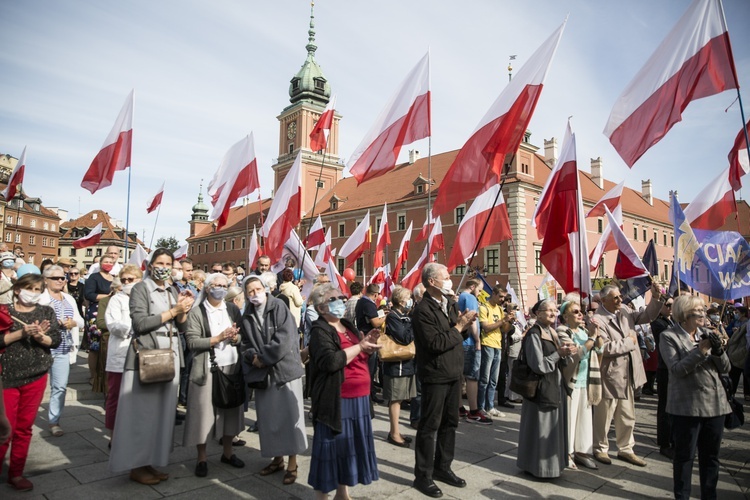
233, 461
507, 404
428, 487
584, 461
179, 417
667, 451
201, 469
402, 444
448, 477
406, 438
648, 392
253, 428
239, 442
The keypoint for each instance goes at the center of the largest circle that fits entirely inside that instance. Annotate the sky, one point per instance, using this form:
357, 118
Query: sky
206, 74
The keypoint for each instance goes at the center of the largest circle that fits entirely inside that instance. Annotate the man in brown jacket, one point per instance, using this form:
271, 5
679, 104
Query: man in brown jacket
622, 372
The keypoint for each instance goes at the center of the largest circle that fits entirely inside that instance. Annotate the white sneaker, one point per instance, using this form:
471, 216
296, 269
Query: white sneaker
496, 413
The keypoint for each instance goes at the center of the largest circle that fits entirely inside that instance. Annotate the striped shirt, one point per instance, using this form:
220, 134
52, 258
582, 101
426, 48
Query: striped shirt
63, 310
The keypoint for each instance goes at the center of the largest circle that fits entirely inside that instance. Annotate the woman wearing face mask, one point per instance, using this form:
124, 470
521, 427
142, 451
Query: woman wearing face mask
119, 324
398, 378
65, 354
25, 362
270, 351
340, 393
144, 428
212, 328
97, 287
7, 275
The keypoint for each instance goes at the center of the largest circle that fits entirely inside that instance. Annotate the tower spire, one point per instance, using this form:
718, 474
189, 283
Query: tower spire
311, 47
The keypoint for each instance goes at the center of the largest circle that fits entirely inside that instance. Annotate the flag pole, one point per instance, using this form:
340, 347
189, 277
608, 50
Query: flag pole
127, 214
315, 202
518, 272
260, 212
151, 244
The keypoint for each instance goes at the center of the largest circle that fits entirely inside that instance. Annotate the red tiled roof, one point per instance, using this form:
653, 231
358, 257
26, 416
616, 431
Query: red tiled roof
89, 221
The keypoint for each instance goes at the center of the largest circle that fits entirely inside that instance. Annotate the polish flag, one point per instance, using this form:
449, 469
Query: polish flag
324, 250
16, 177
90, 239
403, 252
405, 119
316, 236
156, 201
560, 221
611, 200
139, 257
336, 279
693, 61
710, 208
414, 276
436, 240
480, 162
479, 214
628, 265
180, 253
358, 242
319, 134
426, 228
115, 152
606, 242
254, 249
382, 277
384, 239
738, 159
285, 212
236, 177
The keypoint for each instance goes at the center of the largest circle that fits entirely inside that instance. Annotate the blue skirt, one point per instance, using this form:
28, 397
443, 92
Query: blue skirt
347, 458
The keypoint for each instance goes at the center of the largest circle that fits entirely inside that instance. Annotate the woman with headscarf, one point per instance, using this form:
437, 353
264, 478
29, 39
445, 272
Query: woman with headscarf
270, 350
212, 333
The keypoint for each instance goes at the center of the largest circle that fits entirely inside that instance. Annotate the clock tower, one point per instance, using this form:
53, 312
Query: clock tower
309, 93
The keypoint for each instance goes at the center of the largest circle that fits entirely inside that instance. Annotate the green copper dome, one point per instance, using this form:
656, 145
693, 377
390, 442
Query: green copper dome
309, 84
200, 209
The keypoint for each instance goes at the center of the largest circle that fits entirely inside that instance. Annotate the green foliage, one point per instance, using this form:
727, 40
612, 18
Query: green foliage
169, 242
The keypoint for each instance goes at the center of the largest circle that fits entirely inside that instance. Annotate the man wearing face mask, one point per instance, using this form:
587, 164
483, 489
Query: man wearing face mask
7, 276
439, 331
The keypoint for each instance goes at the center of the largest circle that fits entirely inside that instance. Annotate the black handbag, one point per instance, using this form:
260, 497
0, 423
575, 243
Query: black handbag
523, 380
227, 391
737, 417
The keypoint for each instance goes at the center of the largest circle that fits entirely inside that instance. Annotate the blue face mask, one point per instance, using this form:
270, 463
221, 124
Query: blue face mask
409, 304
337, 308
7, 264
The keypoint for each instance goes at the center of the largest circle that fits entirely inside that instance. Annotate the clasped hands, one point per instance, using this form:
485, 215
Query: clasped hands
36, 330
229, 334
369, 342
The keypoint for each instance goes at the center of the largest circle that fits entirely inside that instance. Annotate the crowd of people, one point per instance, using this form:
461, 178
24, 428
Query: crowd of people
576, 367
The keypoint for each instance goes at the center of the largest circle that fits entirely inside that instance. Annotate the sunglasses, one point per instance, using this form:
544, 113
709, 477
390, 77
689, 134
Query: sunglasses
696, 315
334, 299
56, 278
575, 311
127, 280
74, 274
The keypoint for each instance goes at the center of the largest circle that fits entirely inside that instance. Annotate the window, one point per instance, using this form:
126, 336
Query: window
340, 265
37, 207
223, 245
403, 268
20, 203
524, 168
459, 271
72, 252
645, 238
32, 223
671, 240
291, 147
360, 270
8, 237
420, 189
20, 220
460, 212
205, 248
401, 224
192, 249
666, 271
52, 242
320, 184
377, 224
635, 233
491, 260
89, 252
342, 229
656, 237
53, 228
320, 84
600, 269
9, 219
334, 205
599, 226
231, 244
665, 239
242, 242
538, 268
98, 252
216, 246
45, 225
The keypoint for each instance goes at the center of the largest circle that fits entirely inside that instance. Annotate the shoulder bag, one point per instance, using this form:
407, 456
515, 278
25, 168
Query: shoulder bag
156, 365
227, 391
523, 380
393, 352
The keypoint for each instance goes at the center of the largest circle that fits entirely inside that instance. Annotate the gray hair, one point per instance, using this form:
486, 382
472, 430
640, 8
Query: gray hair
608, 289
318, 294
431, 271
51, 269
269, 279
682, 305
418, 292
400, 296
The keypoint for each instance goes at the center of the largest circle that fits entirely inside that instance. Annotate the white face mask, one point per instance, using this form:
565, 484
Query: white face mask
28, 297
126, 288
257, 299
177, 275
447, 288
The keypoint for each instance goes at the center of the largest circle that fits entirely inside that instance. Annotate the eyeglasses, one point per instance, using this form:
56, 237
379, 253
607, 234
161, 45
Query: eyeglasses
56, 278
334, 299
575, 311
75, 274
219, 286
127, 280
696, 315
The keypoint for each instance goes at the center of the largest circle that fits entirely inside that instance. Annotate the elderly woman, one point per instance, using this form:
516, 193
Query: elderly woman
577, 376
399, 382
270, 349
66, 311
542, 434
696, 399
199, 278
145, 421
96, 287
212, 334
236, 297
291, 290
343, 451
25, 362
120, 326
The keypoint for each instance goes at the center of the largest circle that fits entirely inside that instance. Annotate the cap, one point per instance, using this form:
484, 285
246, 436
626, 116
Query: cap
27, 269
7, 256
65, 261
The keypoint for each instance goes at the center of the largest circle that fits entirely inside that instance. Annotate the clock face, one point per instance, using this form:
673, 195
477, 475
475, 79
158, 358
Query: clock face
291, 130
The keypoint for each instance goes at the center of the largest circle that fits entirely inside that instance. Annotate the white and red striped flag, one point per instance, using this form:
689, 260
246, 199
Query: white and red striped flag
181, 252
414, 276
403, 252
285, 212
319, 134
405, 119
693, 61
139, 257
115, 152
358, 242
606, 242
384, 239
628, 265
16, 177
91, 239
236, 177
426, 227
324, 251
497, 230
316, 236
253, 251
436, 241
156, 200
480, 162
336, 279
611, 200
739, 163
710, 208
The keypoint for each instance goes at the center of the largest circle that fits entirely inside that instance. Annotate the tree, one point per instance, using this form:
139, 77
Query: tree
171, 243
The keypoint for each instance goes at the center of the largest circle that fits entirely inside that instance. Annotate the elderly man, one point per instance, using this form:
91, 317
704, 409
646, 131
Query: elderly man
114, 252
262, 265
621, 371
439, 332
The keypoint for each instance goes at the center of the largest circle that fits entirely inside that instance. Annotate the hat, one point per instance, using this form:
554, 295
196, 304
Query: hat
65, 261
27, 269
715, 305
7, 256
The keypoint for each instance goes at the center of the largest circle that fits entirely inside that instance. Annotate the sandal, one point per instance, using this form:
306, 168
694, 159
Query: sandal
272, 467
290, 476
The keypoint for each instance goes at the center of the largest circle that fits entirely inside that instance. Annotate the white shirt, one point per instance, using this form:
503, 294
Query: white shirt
218, 321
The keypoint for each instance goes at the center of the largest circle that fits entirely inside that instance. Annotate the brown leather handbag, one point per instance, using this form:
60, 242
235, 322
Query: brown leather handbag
156, 365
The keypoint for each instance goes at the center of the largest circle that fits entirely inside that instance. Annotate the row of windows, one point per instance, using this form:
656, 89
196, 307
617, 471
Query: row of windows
460, 212
18, 204
46, 242
196, 249
539, 267
45, 225
643, 234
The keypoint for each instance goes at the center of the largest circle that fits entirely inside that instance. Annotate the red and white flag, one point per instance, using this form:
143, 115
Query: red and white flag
253, 250
606, 242
382, 277
480, 162
156, 200
181, 252
628, 265
405, 119
316, 236
479, 213
358, 242
90, 239
710, 208
414, 276
16, 177
384, 239
559, 219
426, 228
324, 251
115, 152
403, 252
436, 241
139, 257
611, 200
319, 134
285, 212
739, 164
693, 61
236, 177
336, 279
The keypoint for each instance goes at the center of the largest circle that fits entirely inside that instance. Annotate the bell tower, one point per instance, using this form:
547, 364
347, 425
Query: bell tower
309, 93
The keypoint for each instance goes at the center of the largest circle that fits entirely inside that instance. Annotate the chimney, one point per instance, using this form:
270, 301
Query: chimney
550, 151
647, 191
413, 156
596, 172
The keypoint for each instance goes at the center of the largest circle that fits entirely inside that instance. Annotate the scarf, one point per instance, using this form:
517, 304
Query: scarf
594, 386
